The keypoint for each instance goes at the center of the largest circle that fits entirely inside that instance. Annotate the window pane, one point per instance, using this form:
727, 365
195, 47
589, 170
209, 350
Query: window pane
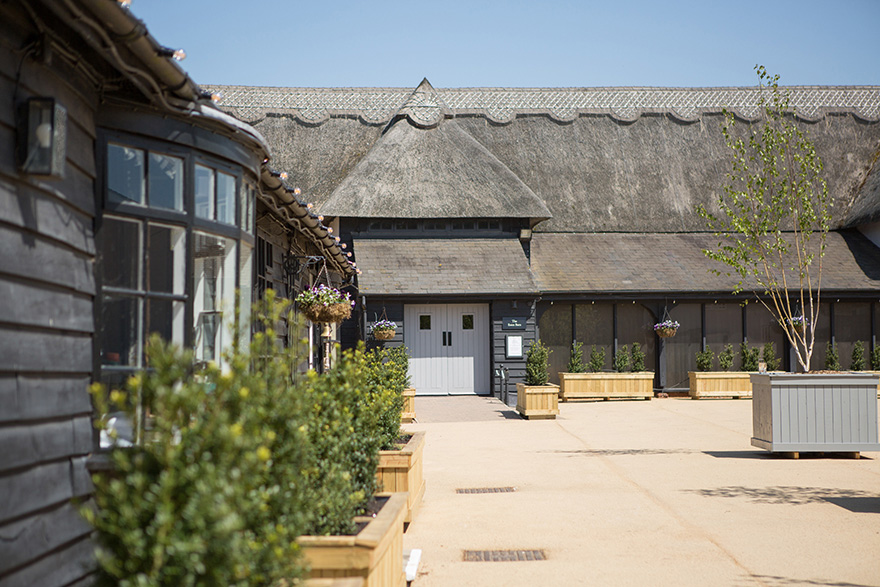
213, 292
467, 322
723, 327
425, 322
247, 207
225, 198
555, 328
120, 253
852, 323
681, 349
635, 323
204, 192
594, 326
166, 182
245, 286
166, 259
761, 328
119, 331
125, 174
165, 318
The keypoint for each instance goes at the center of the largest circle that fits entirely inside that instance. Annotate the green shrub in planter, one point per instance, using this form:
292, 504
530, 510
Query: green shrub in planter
236, 463
725, 357
597, 359
638, 358
875, 358
622, 360
537, 364
769, 355
705, 360
198, 500
858, 357
748, 357
832, 359
576, 360
387, 377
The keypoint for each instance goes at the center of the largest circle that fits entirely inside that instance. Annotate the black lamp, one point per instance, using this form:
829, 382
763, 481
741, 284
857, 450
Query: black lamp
42, 137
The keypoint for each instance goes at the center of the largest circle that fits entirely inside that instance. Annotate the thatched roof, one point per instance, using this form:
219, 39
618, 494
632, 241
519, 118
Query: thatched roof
600, 159
436, 267
661, 263
440, 172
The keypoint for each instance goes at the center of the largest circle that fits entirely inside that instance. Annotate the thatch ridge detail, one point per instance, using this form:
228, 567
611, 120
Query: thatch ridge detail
502, 105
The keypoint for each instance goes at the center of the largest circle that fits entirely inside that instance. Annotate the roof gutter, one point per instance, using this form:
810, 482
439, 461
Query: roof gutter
117, 26
320, 234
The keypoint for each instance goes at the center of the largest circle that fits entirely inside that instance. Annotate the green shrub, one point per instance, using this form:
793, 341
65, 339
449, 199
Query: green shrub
387, 377
769, 355
576, 360
832, 359
705, 360
858, 357
638, 358
195, 502
748, 357
622, 360
597, 359
537, 364
235, 464
875, 358
725, 357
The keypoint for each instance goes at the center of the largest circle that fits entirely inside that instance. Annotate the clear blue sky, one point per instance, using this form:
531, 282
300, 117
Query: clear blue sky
543, 43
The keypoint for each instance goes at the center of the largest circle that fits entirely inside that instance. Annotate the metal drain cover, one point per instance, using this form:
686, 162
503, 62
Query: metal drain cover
503, 556
487, 490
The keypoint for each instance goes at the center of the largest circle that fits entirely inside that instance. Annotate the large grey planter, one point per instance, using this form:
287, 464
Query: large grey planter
815, 413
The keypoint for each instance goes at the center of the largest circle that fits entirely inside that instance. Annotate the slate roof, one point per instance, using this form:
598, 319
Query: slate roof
662, 263
443, 267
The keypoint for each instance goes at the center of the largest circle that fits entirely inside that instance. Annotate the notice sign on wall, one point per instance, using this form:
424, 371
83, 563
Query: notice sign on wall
514, 346
513, 324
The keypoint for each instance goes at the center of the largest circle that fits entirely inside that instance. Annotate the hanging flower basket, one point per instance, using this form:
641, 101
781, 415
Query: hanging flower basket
325, 304
666, 329
797, 323
384, 330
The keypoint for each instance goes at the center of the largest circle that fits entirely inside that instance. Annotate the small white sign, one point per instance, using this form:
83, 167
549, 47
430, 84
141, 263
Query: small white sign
514, 347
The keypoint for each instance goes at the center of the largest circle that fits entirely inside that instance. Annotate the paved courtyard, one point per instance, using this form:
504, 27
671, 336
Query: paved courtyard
661, 492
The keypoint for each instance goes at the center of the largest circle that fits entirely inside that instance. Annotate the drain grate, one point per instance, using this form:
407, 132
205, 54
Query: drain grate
503, 556
487, 490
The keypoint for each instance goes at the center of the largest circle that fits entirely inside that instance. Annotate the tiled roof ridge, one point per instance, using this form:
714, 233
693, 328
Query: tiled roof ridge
502, 105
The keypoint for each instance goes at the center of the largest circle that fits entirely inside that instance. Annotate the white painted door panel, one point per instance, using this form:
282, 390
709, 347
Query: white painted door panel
449, 348
423, 336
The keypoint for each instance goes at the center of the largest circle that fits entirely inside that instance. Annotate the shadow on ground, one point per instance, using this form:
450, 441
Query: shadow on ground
860, 502
614, 452
772, 581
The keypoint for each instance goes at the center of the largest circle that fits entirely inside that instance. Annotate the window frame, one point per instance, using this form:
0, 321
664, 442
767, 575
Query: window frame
244, 187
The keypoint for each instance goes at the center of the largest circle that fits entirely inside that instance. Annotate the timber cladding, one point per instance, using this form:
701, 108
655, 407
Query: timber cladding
47, 287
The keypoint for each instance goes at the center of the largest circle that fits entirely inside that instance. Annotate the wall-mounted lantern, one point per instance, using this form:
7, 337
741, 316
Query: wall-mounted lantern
42, 137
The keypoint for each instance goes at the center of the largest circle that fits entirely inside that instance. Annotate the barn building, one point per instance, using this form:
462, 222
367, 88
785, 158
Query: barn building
484, 218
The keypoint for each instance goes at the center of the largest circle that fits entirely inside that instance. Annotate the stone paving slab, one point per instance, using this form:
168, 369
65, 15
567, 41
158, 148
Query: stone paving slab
666, 492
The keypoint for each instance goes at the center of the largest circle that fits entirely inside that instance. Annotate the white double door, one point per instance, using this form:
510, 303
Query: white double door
449, 348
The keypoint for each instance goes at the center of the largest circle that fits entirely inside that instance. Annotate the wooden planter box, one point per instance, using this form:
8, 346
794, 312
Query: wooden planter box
409, 405
797, 413
606, 386
720, 384
401, 470
537, 402
375, 554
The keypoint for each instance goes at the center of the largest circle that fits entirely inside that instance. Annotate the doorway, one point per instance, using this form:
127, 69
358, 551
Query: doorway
449, 348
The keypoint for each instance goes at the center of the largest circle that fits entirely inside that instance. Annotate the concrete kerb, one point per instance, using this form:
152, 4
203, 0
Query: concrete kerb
666, 492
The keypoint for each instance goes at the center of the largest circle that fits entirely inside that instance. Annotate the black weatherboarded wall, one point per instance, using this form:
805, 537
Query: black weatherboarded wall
47, 289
